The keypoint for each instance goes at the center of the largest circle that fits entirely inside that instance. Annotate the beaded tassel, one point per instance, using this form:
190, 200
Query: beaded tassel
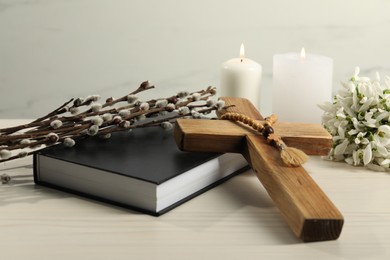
290, 156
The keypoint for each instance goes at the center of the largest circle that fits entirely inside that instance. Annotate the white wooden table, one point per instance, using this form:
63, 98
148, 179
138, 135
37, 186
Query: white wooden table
236, 220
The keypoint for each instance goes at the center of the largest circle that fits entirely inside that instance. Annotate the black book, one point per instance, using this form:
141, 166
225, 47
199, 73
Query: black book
142, 170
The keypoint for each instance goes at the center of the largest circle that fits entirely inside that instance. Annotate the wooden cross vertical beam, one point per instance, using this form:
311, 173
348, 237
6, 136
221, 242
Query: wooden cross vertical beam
305, 207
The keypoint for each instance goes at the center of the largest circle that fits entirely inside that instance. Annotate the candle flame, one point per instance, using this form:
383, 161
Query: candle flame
303, 54
242, 52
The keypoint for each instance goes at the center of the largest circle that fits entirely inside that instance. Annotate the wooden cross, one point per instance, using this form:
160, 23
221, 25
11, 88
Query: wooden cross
305, 207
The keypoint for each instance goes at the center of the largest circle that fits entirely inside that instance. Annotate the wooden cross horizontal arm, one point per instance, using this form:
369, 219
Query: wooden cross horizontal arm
223, 136
305, 207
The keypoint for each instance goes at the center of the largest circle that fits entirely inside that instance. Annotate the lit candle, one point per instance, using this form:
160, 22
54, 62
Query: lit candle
241, 77
300, 83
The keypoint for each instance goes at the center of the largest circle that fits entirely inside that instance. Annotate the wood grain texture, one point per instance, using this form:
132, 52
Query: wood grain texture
304, 206
240, 105
313, 139
226, 136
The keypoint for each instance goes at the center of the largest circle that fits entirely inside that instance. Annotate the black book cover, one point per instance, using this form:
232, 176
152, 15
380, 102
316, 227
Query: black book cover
147, 154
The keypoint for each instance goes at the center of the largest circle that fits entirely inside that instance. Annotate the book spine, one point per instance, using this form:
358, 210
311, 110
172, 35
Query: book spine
36, 168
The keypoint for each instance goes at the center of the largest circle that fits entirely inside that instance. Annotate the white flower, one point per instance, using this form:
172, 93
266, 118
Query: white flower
359, 121
380, 146
367, 155
384, 131
369, 121
340, 149
356, 73
360, 139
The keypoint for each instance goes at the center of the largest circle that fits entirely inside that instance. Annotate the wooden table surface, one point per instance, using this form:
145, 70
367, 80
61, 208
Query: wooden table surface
236, 220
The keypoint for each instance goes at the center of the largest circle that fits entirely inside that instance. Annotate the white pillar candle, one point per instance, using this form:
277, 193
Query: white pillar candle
241, 77
300, 83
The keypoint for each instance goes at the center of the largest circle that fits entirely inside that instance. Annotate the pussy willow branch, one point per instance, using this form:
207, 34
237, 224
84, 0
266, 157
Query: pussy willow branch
171, 119
64, 108
103, 119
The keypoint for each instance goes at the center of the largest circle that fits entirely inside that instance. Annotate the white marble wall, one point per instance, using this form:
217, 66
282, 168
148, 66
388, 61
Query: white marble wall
51, 50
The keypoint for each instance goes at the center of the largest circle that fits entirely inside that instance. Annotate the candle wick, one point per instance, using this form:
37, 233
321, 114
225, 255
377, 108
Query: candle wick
241, 59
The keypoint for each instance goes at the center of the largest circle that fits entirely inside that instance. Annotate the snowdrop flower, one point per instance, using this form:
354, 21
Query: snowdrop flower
384, 131
380, 145
367, 154
359, 121
360, 139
